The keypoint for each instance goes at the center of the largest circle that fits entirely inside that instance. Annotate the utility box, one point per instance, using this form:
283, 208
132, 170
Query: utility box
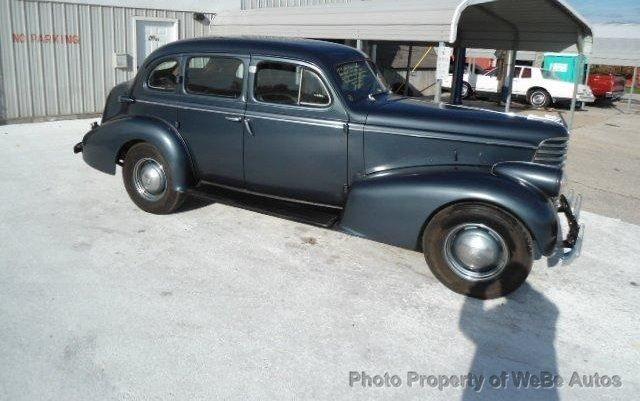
565, 66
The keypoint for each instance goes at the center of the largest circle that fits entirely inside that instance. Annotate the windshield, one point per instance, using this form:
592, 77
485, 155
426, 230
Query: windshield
360, 79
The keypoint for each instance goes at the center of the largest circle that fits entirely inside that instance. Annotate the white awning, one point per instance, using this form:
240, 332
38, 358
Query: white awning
538, 25
616, 44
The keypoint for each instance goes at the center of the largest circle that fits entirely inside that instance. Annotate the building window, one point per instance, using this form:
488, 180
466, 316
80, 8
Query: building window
286, 83
215, 76
164, 76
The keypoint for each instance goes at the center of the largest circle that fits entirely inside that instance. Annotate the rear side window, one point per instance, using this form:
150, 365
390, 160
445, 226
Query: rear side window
286, 83
165, 76
215, 76
526, 73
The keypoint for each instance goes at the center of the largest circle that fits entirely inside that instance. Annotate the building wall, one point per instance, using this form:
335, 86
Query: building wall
58, 58
252, 4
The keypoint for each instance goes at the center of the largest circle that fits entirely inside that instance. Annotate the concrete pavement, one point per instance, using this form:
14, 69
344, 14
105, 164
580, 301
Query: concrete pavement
101, 301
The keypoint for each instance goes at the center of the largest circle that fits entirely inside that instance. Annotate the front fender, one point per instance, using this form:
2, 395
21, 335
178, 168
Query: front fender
394, 207
102, 145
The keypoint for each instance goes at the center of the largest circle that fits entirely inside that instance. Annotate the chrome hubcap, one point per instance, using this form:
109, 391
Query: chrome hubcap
538, 99
149, 179
476, 252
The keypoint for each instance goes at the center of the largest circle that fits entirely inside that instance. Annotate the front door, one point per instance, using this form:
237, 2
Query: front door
210, 114
295, 142
151, 34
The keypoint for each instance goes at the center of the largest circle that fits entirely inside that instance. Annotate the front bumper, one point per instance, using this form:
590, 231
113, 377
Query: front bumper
586, 97
569, 248
78, 147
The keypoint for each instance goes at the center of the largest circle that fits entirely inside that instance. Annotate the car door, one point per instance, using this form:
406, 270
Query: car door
210, 114
295, 133
521, 80
488, 82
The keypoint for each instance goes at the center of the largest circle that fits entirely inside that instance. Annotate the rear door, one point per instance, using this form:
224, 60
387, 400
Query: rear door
210, 114
295, 137
521, 80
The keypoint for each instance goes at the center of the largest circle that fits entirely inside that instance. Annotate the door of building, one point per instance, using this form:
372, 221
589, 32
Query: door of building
152, 33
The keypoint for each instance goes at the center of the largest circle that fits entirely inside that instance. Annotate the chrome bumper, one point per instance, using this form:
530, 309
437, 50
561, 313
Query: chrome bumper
568, 249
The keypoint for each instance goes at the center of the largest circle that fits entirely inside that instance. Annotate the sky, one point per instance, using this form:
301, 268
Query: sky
604, 11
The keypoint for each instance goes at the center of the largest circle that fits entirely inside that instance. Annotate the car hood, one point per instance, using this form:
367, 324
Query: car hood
419, 116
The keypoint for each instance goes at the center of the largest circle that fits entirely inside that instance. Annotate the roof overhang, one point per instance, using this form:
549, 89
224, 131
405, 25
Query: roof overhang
616, 44
538, 25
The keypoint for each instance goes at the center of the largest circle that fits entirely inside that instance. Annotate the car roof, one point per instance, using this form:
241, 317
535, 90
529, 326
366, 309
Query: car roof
322, 53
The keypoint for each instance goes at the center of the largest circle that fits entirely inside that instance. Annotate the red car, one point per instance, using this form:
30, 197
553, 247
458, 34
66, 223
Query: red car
607, 86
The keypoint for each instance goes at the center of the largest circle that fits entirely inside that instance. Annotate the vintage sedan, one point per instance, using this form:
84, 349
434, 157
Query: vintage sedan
309, 130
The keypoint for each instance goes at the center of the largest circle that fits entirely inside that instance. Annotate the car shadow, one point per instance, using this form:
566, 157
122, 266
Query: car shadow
193, 203
513, 338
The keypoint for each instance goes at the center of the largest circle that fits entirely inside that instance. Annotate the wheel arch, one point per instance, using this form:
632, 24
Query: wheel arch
395, 208
537, 87
106, 145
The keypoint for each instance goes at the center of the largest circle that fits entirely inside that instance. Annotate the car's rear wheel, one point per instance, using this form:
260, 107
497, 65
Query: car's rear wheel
466, 90
478, 250
539, 98
148, 179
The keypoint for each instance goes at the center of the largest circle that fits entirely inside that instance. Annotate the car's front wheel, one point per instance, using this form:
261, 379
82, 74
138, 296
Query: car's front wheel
148, 179
478, 250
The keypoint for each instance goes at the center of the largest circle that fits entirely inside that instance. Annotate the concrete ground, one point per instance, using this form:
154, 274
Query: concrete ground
100, 301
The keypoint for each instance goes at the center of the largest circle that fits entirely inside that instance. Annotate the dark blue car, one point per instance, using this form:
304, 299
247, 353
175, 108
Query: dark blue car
309, 130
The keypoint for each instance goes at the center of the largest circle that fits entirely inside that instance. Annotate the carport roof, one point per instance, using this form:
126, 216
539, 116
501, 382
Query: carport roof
539, 25
616, 44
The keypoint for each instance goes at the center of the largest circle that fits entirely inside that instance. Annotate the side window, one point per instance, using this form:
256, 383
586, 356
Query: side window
516, 72
526, 73
286, 83
164, 76
217, 76
312, 90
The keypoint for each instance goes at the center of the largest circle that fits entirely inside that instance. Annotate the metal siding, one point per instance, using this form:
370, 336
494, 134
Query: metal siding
45, 78
253, 4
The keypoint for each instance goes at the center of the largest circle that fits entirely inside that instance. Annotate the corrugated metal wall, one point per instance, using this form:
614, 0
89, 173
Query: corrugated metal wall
251, 4
58, 58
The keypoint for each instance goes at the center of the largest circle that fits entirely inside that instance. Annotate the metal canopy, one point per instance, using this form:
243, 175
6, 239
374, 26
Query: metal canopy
616, 44
537, 25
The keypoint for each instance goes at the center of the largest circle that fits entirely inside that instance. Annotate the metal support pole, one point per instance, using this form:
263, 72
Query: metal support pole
439, 65
374, 52
586, 82
359, 45
408, 75
508, 82
633, 88
576, 82
458, 75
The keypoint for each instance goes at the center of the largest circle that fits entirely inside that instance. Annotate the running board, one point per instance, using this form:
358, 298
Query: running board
302, 213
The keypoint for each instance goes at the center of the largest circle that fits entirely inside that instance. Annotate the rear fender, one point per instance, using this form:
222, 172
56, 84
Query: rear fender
394, 207
102, 145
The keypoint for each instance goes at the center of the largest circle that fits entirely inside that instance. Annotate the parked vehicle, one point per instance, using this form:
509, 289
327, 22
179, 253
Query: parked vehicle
607, 86
539, 88
311, 131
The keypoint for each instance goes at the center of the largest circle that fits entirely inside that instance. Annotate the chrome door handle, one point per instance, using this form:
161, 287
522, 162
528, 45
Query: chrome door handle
247, 125
235, 119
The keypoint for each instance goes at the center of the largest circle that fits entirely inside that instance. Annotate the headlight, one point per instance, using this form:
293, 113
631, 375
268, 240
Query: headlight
548, 179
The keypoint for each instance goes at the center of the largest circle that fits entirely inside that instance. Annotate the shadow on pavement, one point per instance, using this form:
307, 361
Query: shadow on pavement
512, 339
